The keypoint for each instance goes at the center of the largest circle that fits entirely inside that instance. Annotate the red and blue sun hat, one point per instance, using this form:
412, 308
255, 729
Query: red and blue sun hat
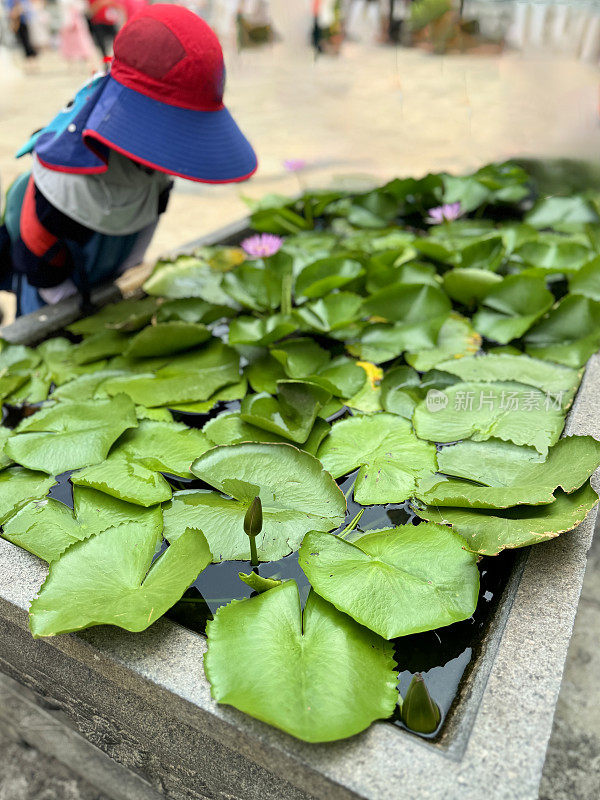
161, 105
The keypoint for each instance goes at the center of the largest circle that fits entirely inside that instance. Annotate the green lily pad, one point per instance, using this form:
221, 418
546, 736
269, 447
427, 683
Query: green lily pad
379, 343
70, 435
233, 391
493, 462
554, 256
300, 357
18, 486
483, 254
230, 428
391, 458
187, 379
98, 346
291, 414
586, 281
490, 532
316, 675
330, 313
512, 307
551, 211
400, 391
297, 496
250, 330
47, 528
128, 315
397, 581
456, 339
18, 356
554, 379
122, 477
110, 579
86, 387
192, 309
479, 411
321, 277
568, 465
10, 383
5, 461
469, 286
569, 334
264, 374
188, 277
165, 339
408, 303
163, 446
255, 287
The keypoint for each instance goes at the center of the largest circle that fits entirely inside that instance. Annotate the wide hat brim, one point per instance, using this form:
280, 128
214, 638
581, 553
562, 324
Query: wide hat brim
205, 146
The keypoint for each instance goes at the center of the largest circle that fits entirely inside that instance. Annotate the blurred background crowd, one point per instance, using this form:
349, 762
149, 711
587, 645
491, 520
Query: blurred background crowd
82, 31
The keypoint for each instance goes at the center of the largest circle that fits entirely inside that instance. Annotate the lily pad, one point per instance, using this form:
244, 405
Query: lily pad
230, 428
455, 340
192, 309
321, 277
47, 528
163, 446
397, 581
300, 357
165, 339
186, 379
291, 414
553, 379
568, 465
330, 313
128, 315
297, 496
569, 334
512, 307
408, 303
316, 675
70, 435
98, 346
250, 330
586, 281
110, 579
490, 532
553, 255
233, 391
18, 486
391, 458
469, 286
479, 411
188, 277
122, 477
255, 287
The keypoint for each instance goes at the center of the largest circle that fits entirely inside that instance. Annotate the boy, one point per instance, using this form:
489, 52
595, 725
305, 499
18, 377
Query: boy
99, 180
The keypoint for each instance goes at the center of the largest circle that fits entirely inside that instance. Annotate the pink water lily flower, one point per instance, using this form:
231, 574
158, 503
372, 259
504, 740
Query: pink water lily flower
446, 213
294, 164
262, 245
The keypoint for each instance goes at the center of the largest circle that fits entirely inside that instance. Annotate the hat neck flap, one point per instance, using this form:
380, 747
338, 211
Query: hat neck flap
65, 150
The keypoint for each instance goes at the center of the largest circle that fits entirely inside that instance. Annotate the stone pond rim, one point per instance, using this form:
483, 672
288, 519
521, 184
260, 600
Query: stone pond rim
135, 709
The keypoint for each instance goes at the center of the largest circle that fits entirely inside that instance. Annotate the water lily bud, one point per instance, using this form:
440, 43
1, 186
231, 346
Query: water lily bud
253, 518
419, 711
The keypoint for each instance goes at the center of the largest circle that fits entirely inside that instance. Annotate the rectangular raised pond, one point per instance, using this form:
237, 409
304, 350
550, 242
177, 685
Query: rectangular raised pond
134, 710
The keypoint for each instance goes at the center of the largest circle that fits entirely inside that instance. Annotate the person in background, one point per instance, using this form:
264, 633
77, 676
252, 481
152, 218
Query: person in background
103, 19
19, 14
75, 40
39, 25
102, 168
